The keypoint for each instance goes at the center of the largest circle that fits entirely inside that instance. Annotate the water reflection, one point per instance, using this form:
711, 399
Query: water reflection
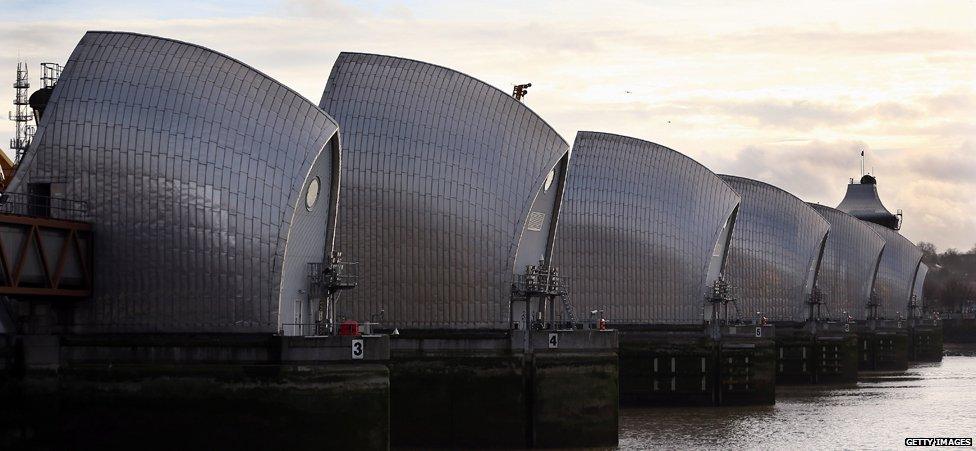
931, 400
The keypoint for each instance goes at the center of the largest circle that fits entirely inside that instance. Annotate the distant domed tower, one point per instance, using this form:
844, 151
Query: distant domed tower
862, 202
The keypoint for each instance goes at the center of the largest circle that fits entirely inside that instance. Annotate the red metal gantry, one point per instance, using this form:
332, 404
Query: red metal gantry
44, 256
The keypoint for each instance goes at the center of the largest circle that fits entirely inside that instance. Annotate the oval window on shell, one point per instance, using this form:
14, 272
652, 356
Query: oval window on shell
312, 193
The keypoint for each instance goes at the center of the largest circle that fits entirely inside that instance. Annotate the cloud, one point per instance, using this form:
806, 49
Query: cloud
846, 42
962, 100
783, 92
935, 190
331, 9
798, 114
815, 171
956, 168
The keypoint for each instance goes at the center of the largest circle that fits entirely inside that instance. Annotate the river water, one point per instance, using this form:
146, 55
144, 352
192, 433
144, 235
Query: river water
928, 400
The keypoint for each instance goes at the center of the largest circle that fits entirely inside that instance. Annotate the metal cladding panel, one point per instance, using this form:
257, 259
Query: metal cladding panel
440, 173
896, 273
638, 226
849, 265
191, 164
776, 242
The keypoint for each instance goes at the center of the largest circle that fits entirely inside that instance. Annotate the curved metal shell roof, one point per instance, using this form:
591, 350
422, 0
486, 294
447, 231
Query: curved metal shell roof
441, 171
776, 248
637, 230
192, 164
896, 273
862, 202
849, 265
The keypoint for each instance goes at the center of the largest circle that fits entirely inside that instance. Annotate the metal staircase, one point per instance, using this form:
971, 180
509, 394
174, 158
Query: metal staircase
568, 309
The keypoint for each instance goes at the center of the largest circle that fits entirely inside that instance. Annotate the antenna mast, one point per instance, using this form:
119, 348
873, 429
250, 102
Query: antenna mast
862, 162
22, 114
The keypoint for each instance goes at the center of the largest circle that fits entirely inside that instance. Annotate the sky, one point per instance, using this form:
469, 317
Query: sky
785, 92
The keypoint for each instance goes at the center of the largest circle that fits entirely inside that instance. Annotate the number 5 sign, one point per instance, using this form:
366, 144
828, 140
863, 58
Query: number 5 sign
357, 349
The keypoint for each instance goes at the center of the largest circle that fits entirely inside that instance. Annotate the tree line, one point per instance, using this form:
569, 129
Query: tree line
951, 281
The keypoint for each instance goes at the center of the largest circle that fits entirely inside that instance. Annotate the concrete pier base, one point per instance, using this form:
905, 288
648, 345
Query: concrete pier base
454, 389
667, 365
216, 392
816, 353
681, 365
574, 389
882, 346
836, 353
747, 366
461, 390
925, 342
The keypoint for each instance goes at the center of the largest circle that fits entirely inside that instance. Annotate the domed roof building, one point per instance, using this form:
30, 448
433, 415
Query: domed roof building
209, 186
775, 253
897, 273
862, 202
644, 230
451, 188
849, 265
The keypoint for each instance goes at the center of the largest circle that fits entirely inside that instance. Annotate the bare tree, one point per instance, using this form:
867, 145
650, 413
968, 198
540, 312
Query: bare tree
930, 254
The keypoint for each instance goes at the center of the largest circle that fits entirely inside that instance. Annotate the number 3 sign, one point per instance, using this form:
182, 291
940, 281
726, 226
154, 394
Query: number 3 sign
357, 349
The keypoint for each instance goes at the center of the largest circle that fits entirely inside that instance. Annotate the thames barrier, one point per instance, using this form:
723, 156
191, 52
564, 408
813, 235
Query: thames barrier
419, 260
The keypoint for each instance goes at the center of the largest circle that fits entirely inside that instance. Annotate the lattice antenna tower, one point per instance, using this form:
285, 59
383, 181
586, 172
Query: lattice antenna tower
22, 114
50, 72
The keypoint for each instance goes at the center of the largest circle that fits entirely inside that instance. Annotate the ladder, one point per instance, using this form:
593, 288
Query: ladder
568, 308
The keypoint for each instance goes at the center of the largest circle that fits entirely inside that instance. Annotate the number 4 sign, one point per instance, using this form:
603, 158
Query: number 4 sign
553, 341
357, 349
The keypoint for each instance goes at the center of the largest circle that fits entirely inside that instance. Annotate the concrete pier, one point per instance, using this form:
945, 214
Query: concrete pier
667, 365
682, 365
747, 365
925, 343
202, 391
458, 389
882, 345
816, 353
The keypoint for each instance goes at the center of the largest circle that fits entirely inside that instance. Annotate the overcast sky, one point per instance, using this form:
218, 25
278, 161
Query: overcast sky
779, 91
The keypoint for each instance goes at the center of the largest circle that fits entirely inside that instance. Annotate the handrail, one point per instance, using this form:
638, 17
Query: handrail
23, 204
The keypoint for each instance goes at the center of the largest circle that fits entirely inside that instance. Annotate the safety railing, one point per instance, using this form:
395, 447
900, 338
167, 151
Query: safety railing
327, 277
326, 328
23, 204
540, 282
